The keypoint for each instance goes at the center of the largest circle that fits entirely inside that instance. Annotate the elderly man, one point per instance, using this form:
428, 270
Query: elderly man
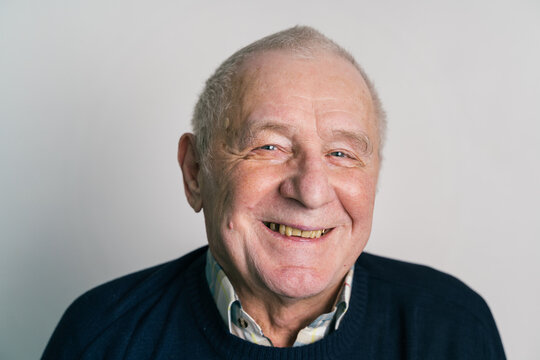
284, 162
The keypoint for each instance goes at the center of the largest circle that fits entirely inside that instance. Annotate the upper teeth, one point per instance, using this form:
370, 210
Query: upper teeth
290, 231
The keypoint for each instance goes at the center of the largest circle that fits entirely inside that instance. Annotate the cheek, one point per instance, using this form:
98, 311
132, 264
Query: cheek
357, 196
243, 199
252, 186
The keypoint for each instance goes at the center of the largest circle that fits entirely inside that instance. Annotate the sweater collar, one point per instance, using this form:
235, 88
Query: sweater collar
337, 345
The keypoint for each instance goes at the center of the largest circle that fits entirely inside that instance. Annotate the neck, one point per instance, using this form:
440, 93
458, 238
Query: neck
282, 318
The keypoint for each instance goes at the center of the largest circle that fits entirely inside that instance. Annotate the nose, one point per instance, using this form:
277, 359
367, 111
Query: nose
309, 182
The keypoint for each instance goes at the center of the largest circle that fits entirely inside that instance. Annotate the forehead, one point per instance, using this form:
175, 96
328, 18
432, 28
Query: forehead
275, 80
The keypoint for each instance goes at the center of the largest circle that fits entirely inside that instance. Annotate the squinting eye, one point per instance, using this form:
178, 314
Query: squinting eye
268, 147
338, 154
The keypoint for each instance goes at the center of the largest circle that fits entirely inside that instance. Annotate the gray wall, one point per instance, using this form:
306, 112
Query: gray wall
94, 95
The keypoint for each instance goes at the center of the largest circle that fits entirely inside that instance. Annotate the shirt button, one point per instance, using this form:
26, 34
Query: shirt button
242, 322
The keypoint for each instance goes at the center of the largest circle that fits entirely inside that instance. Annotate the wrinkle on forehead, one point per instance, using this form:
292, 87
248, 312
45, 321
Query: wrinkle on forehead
263, 79
260, 78
319, 96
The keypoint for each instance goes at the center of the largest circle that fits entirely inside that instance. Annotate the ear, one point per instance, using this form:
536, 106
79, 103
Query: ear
189, 164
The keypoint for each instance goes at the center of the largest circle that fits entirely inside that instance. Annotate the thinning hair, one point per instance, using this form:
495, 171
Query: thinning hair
215, 101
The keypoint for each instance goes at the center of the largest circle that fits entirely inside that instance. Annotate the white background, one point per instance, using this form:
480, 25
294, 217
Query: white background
94, 96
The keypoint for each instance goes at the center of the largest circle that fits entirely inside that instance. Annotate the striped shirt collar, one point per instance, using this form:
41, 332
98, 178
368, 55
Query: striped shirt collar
244, 326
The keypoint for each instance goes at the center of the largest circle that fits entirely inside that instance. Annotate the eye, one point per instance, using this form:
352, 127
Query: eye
273, 152
344, 158
340, 154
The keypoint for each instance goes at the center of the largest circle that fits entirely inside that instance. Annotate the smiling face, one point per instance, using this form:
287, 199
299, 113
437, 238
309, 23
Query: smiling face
300, 155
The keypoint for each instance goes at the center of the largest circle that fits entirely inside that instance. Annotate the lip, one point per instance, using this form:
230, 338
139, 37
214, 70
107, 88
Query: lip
297, 239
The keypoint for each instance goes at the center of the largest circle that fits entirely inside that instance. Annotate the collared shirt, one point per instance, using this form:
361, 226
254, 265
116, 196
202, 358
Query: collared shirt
244, 326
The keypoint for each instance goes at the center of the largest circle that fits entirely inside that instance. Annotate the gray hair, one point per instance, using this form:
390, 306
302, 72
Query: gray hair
215, 101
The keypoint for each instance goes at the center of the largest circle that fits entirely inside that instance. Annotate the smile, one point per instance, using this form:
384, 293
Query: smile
290, 231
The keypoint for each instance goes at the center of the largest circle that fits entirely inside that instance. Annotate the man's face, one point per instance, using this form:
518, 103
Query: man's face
300, 153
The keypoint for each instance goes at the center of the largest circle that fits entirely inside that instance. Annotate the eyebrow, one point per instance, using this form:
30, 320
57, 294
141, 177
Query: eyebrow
249, 133
359, 140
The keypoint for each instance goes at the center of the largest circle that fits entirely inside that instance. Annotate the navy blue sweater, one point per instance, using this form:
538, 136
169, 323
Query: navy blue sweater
397, 311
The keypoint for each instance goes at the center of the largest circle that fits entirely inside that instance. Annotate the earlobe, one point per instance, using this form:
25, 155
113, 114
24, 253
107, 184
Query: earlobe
189, 164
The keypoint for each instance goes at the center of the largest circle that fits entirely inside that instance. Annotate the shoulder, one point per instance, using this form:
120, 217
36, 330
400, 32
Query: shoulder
432, 306
420, 279
109, 307
123, 292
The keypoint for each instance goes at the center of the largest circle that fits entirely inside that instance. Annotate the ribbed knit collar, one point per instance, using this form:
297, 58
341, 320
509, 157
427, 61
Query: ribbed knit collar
229, 346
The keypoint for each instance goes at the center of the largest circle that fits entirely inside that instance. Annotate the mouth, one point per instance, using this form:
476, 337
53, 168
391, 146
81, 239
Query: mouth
291, 231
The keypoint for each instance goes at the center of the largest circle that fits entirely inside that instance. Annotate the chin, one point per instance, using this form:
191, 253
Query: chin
299, 283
